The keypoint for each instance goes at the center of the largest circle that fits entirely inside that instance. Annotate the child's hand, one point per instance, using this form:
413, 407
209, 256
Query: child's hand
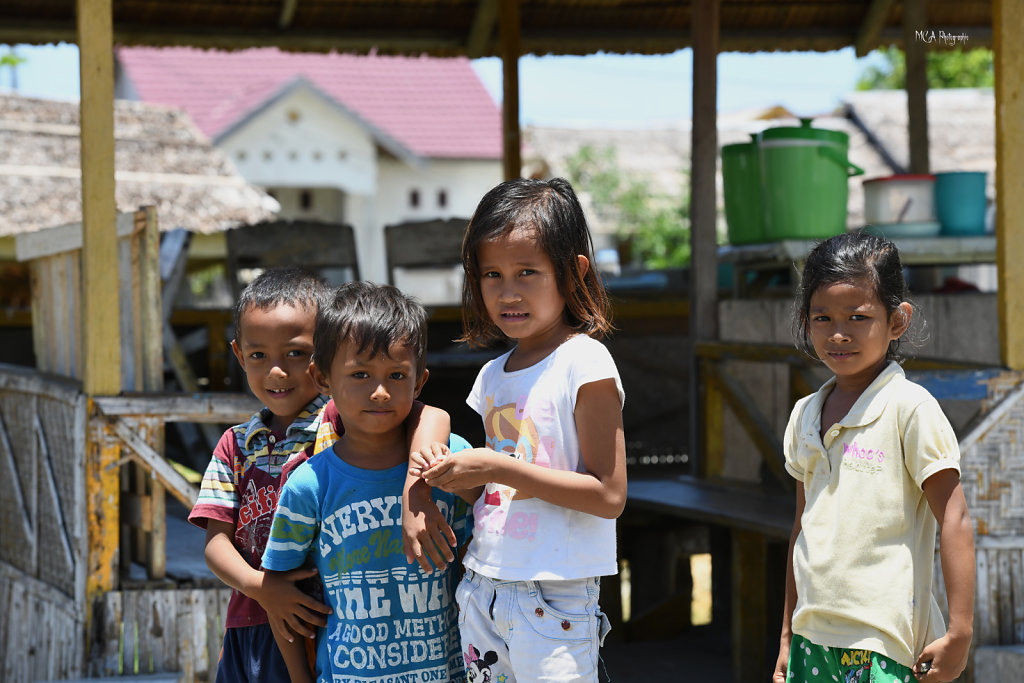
422, 460
290, 610
467, 469
426, 535
782, 663
946, 659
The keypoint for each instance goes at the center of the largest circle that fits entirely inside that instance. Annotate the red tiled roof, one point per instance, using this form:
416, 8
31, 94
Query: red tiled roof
435, 107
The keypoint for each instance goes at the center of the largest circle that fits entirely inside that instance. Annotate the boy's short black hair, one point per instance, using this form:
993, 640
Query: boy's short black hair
373, 317
291, 285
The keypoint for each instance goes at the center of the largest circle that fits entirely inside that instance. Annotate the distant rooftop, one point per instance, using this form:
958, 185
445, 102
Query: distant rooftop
434, 107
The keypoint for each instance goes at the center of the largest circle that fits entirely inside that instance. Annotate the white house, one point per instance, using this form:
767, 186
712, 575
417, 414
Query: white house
366, 140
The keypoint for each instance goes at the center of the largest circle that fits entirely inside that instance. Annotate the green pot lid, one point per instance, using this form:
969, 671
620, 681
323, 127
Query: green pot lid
805, 132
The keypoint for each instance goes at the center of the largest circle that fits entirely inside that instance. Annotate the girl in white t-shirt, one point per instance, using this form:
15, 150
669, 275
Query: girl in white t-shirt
551, 480
877, 469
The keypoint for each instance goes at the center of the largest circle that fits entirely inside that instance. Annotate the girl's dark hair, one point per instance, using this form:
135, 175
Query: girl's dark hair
551, 210
373, 317
291, 285
852, 257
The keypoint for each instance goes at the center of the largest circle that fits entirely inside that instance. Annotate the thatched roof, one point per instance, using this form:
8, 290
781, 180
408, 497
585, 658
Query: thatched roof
161, 159
469, 27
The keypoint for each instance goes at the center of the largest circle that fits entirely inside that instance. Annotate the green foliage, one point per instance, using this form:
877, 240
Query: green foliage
657, 229
946, 69
12, 60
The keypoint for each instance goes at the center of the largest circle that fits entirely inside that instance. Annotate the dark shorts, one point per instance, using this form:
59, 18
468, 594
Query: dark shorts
811, 663
250, 655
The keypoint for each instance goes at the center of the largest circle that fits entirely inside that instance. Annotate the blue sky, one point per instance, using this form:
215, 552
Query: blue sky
598, 90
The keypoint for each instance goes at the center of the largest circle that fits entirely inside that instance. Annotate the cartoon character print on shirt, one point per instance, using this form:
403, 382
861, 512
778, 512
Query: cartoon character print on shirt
513, 428
478, 669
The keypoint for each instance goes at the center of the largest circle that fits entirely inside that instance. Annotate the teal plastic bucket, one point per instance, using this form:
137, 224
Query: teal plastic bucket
804, 181
960, 202
741, 187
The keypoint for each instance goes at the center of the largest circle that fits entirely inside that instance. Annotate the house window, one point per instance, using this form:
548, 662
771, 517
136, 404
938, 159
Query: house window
442, 198
306, 200
414, 198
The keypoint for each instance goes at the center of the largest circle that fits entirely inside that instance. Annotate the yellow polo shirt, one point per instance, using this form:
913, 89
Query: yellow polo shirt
863, 561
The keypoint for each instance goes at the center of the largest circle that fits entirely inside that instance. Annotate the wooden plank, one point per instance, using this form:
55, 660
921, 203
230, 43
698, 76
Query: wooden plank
217, 409
711, 421
143, 453
48, 483
1006, 597
984, 634
482, 29
112, 626
509, 38
871, 27
1008, 26
749, 624
61, 239
739, 507
756, 426
131, 650
103, 501
1017, 593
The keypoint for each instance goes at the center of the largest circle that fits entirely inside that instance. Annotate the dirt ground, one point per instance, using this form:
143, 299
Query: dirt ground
698, 655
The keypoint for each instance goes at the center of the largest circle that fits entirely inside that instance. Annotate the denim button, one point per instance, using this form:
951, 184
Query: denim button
566, 625
539, 612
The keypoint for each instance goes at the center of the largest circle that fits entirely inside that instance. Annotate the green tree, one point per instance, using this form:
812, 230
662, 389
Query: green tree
657, 228
946, 69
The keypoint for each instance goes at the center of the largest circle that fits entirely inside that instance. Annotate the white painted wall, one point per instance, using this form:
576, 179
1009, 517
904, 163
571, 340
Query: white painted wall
303, 140
464, 181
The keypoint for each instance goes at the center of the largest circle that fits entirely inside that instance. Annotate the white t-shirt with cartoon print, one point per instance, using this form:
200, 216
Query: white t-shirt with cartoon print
528, 414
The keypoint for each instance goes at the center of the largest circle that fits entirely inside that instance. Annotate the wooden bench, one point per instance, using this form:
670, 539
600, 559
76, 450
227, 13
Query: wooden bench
748, 546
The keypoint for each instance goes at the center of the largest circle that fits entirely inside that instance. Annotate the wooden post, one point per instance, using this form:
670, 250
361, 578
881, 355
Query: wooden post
101, 367
915, 18
1007, 28
703, 162
509, 33
749, 622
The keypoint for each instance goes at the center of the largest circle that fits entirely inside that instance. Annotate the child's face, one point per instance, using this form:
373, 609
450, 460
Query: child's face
520, 290
274, 348
851, 329
373, 394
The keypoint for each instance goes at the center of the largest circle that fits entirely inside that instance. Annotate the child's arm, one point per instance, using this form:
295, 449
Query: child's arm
294, 654
275, 591
948, 654
600, 490
786, 639
426, 535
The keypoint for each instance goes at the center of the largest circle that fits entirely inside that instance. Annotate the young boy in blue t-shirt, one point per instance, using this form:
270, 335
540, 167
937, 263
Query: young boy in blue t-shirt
389, 621
274, 321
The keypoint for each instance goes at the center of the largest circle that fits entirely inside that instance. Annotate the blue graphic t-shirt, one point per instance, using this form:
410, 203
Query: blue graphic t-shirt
391, 622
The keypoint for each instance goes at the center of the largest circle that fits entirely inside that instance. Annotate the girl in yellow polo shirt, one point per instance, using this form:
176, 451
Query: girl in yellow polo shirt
877, 468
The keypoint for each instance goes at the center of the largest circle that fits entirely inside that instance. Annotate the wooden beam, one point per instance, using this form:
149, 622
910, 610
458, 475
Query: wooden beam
142, 453
482, 30
871, 28
509, 35
209, 408
101, 343
288, 8
915, 18
703, 322
749, 600
1008, 26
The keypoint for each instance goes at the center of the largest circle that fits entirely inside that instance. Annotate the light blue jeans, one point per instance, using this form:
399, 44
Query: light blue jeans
527, 631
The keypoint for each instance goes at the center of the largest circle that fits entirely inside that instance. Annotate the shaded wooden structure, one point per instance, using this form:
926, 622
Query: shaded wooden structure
507, 28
